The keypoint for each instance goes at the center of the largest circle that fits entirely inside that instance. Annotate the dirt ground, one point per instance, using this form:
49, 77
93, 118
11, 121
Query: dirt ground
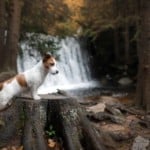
132, 129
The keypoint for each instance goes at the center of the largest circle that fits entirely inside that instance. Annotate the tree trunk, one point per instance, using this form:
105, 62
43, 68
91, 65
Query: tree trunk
139, 74
126, 33
116, 45
126, 39
2, 31
143, 85
116, 32
2, 23
8, 55
13, 33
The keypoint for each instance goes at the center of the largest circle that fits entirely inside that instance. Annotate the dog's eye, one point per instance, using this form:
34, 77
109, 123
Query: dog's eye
52, 64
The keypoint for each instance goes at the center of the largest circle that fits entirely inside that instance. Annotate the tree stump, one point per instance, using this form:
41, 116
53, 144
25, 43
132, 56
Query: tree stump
70, 121
9, 122
33, 135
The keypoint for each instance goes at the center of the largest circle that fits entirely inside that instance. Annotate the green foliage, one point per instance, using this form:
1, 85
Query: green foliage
42, 43
65, 29
107, 14
43, 16
50, 132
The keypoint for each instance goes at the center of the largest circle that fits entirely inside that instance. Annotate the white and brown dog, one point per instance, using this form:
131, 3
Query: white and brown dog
28, 80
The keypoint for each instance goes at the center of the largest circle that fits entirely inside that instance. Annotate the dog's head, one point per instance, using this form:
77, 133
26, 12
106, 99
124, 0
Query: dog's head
50, 63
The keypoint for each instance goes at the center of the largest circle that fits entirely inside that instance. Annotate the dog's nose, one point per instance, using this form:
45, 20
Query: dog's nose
57, 71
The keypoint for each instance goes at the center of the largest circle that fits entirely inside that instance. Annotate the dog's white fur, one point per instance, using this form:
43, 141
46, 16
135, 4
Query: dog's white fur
28, 80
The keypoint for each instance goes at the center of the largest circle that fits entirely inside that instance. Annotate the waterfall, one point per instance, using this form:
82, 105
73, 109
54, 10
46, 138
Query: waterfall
73, 66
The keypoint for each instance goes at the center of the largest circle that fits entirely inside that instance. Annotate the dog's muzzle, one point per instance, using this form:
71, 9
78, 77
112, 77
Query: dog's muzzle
55, 72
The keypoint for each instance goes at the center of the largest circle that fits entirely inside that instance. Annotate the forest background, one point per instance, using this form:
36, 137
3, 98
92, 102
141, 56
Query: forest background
115, 29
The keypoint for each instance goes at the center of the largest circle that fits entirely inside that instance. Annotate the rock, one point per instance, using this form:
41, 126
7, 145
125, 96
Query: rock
110, 144
113, 110
125, 81
100, 107
103, 116
140, 143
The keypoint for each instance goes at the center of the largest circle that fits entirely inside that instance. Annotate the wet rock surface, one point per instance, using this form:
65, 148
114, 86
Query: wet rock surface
116, 115
140, 143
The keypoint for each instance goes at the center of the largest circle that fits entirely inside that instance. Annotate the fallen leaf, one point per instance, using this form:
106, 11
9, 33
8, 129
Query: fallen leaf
20, 148
51, 143
13, 148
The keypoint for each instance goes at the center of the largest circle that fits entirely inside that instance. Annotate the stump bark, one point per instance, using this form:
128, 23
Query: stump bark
70, 121
9, 122
33, 135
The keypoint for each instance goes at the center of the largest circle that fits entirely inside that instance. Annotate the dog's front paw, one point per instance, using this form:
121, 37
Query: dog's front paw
36, 97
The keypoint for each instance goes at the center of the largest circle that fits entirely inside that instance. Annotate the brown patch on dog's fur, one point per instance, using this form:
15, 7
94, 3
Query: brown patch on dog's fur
7, 81
46, 57
48, 61
21, 80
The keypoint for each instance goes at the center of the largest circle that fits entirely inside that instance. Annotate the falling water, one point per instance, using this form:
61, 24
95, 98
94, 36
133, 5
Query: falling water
73, 66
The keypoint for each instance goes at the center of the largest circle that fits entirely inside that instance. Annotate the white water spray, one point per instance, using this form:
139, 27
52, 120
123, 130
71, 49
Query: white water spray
73, 66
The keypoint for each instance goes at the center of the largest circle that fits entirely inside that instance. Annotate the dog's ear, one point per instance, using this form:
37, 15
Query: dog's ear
46, 56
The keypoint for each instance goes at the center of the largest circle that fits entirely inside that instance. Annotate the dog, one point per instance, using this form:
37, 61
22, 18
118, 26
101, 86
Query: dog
29, 80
